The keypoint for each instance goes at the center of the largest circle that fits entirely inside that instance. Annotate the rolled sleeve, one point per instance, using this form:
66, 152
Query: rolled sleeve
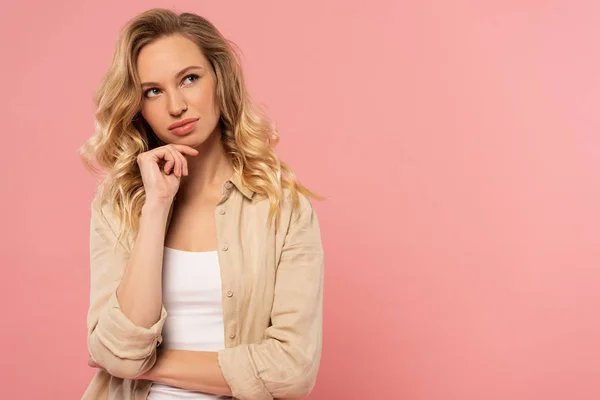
124, 348
285, 363
114, 342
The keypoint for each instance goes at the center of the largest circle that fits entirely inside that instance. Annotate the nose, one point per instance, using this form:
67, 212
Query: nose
176, 103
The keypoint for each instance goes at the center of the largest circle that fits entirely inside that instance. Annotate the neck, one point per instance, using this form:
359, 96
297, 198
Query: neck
207, 170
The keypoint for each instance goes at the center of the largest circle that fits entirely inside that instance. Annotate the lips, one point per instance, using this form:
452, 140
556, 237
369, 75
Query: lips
183, 127
181, 123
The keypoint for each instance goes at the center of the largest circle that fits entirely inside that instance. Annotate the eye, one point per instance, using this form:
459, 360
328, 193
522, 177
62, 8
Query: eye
149, 91
194, 76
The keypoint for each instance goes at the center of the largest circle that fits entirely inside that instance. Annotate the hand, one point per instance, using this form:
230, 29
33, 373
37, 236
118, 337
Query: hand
163, 183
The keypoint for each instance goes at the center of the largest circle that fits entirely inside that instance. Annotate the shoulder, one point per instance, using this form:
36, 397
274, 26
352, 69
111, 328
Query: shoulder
107, 221
296, 207
290, 207
303, 201
100, 203
102, 208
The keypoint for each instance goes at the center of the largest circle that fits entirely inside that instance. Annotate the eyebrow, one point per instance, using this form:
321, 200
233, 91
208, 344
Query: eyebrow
183, 71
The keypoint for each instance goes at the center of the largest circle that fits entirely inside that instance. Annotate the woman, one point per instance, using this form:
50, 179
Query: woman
206, 255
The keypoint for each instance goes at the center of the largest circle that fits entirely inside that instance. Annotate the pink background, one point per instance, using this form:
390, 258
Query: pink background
457, 142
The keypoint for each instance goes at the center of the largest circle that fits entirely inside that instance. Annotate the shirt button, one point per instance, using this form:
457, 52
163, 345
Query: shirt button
232, 335
230, 294
224, 247
228, 185
222, 211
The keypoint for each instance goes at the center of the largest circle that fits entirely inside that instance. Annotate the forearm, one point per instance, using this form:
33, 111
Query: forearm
190, 370
140, 290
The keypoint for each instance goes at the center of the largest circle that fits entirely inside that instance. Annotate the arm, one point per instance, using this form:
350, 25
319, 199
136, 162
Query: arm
191, 370
286, 362
126, 315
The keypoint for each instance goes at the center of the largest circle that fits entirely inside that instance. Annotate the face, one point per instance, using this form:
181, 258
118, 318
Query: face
178, 84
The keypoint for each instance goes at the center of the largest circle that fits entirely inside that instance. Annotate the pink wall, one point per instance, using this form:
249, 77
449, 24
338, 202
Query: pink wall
457, 143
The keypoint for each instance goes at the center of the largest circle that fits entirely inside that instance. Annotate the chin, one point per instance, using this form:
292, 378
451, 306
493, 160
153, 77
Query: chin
192, 139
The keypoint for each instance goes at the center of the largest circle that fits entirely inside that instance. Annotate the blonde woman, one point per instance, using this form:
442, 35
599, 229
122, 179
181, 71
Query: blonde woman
206, 254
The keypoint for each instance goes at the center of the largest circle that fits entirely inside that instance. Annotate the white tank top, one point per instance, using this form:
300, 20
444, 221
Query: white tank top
191, 284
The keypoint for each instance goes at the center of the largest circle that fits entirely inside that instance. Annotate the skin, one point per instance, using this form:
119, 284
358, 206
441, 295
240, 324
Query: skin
196, 167
177, 97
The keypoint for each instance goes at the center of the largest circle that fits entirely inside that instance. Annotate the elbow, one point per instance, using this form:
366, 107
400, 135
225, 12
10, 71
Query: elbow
128, 369
122, 348
302, 384
120, 364
266, 371
297, 390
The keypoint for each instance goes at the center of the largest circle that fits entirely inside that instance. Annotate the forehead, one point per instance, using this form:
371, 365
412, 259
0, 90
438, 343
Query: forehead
165, 57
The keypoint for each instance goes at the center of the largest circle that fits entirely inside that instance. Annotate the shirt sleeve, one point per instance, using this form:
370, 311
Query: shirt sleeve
285, 363
114, 342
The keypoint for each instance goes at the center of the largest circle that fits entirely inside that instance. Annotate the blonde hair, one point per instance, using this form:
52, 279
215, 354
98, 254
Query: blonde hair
121, 133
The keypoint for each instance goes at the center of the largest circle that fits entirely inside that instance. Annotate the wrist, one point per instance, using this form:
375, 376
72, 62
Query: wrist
157, 204
146, 376
150, 375
154, 211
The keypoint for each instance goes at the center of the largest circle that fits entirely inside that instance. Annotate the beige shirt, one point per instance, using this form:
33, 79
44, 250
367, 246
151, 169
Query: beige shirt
272, 288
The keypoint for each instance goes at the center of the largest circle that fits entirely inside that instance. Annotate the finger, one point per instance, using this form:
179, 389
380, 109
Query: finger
186, 151
156, 156
178, 163
173, 157
182, 148
176, 160
182, 162
168, 166
166, 154
185, 165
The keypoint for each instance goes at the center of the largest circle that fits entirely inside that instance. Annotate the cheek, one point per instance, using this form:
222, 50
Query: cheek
152, 117
150, 114
204, 99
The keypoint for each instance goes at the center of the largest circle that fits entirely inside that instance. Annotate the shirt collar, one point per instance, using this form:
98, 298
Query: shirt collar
236, 179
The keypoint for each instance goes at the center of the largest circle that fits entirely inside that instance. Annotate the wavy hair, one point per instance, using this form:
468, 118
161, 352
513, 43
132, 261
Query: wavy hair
121, 133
